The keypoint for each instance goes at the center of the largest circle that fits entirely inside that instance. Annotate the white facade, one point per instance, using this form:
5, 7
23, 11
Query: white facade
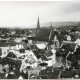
19, 46
30, 53
41, 46
5, 51
34, 65
30, 41
18, 40
77, 42
12, 49
30, 57
50, 62
52, 58
68, 38
13, 32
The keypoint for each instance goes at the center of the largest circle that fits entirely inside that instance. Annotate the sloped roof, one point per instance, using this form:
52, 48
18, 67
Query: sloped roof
43, 35
31, 36
41, 46
69, 45
57, 64
31, 59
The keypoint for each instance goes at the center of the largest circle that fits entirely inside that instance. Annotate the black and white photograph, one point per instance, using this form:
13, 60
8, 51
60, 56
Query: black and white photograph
39, 40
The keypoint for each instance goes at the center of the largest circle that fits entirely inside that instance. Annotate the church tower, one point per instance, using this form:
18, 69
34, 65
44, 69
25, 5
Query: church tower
50, 31
51, 28
38, 25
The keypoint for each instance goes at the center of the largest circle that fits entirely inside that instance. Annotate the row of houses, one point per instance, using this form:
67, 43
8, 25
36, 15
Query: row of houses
17, 44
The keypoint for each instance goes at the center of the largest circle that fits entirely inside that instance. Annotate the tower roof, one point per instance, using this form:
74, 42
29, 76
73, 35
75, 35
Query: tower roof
51, 26
38, 24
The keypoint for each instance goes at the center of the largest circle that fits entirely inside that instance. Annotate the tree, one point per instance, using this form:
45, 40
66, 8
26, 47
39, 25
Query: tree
60, 54
22, 50
74, 57
11, 54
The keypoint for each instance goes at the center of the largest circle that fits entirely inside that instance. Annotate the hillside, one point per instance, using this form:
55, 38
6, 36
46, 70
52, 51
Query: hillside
57, 24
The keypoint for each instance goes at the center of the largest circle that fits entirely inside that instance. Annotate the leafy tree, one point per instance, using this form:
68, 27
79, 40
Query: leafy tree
22, 50
11, 54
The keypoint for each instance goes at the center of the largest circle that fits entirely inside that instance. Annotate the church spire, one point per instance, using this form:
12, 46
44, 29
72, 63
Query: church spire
51, 25
50, 32
38, 24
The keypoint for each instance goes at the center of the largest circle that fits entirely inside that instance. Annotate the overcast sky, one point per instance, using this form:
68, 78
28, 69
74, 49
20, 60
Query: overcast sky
26, 13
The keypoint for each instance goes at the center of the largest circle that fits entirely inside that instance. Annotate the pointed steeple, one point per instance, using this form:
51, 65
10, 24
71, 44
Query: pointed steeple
51, 27
50, 32
38, 24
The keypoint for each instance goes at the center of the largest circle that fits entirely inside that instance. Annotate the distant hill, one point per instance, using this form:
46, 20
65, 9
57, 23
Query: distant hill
48, 24
57, 24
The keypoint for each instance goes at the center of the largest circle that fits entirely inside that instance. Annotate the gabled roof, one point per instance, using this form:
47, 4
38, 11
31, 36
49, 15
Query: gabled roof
69, 45
44, 34
41, 46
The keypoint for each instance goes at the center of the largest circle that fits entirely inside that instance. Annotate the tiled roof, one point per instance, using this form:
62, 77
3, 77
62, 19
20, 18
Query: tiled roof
69, 45
43, 35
